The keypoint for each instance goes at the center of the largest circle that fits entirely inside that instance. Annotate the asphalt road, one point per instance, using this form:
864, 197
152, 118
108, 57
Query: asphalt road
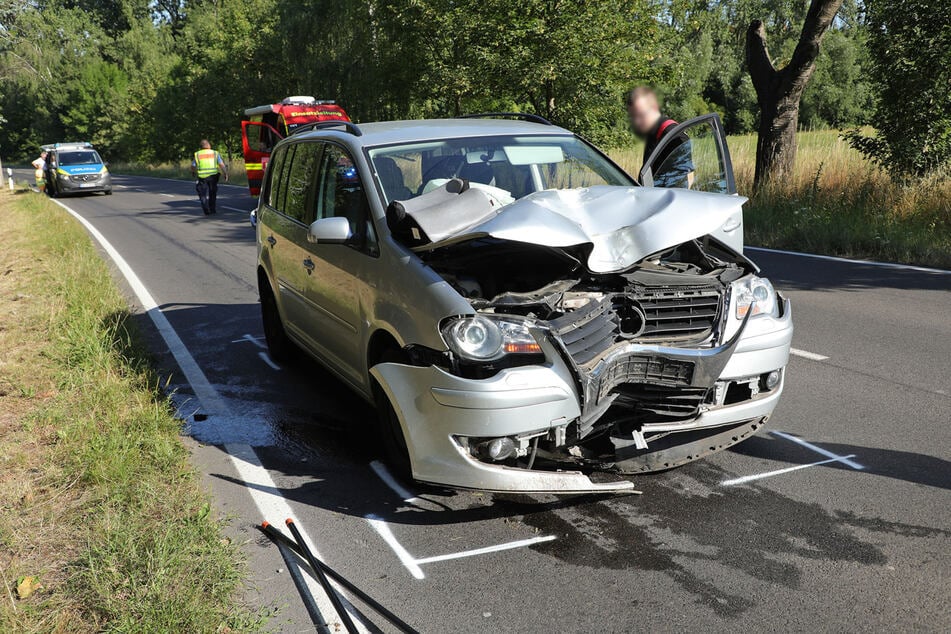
860, 541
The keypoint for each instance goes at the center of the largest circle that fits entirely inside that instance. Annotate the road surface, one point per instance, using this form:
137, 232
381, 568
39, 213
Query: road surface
836, 517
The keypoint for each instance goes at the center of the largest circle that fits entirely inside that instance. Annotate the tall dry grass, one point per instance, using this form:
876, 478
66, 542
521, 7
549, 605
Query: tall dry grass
837, 203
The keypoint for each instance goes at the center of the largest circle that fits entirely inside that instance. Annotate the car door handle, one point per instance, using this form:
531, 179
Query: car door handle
271, 241
309, 265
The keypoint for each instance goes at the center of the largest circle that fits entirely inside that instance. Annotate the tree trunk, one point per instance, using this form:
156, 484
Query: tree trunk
778, 91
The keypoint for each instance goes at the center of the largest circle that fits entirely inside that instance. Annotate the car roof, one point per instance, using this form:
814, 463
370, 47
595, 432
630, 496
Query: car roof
418, 130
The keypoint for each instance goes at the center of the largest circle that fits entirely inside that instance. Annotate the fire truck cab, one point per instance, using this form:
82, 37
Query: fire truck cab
263, 126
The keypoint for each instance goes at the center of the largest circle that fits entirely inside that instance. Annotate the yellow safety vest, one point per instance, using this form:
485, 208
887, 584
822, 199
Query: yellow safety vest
206, 163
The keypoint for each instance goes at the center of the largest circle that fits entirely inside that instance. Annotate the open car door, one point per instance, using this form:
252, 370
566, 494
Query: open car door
694, 155
257, 141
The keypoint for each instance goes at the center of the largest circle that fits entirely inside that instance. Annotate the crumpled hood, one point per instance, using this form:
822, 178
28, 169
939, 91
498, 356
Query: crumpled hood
623, 224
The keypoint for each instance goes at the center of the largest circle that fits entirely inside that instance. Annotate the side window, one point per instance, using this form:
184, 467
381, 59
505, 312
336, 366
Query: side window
275, 187
340, 193
300, 181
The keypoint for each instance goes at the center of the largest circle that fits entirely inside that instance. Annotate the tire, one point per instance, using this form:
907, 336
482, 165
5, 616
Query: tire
393, 442
279, 347
108, 192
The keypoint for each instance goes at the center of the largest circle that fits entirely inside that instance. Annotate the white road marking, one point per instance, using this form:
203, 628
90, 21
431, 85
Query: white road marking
769, 474
819, 450
384, 474
487, 549
252, 339
887, 265
265, 493
807, 355
412, 564
168, 195
264, 357
383, 530
244, 211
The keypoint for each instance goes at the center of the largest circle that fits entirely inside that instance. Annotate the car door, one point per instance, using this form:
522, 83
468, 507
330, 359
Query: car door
340, 272
694, 155
284, 230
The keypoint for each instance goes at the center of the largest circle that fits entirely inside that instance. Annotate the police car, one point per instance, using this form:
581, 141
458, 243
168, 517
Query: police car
73, 168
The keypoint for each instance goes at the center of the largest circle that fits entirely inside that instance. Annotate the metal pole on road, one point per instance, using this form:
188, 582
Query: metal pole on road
322, 578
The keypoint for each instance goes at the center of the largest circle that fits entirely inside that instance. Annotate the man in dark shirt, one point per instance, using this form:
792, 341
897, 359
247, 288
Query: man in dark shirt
673, 167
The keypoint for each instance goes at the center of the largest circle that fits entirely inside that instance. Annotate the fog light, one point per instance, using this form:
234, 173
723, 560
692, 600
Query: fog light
772, 379
499, 449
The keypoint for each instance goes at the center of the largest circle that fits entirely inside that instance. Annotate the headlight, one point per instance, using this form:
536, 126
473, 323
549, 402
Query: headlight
480, 338
754, 293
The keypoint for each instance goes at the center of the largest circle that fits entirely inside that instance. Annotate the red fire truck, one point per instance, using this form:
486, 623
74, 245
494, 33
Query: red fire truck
263, 126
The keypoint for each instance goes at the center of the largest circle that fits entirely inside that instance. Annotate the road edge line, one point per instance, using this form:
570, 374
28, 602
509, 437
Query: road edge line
243, 457
834, 258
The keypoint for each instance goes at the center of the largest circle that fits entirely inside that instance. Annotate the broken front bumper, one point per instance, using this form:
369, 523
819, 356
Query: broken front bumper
437, 409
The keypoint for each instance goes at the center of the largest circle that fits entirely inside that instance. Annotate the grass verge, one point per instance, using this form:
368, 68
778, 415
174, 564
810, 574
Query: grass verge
836, 203
179, 171
98, 501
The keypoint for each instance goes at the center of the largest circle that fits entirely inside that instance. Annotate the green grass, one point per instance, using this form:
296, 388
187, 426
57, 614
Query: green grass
98, 498
836, 203
179, 171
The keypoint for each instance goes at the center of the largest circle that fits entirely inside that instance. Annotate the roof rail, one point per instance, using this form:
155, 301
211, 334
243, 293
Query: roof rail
523, 116
350, 126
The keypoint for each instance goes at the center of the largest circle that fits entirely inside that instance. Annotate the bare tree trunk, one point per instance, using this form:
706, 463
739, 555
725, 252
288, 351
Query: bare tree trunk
778, 91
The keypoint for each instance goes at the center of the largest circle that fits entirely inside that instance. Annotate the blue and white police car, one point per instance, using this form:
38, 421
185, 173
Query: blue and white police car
73, 168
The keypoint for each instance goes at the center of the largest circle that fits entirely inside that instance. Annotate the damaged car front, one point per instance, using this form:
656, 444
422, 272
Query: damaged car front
608, 328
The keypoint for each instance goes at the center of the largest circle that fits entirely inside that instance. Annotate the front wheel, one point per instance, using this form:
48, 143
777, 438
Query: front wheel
278, 345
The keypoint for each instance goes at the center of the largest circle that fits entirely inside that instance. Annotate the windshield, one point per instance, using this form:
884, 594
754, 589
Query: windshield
79, 157
519, 165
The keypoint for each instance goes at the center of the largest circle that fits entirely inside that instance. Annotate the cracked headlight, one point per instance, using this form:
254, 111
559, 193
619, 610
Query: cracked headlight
756, 294
481, 338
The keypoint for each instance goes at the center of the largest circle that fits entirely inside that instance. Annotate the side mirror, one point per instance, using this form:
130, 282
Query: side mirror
334, 230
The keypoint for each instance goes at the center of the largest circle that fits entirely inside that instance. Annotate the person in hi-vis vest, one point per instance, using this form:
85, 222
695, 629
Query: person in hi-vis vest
206, 166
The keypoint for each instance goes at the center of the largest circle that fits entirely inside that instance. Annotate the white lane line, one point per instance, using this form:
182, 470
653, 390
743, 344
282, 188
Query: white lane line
413, 564
769, 474
264, 357
383, 530
831, 258
384, 474
819, 450
486, 550
265, 494
244, 211
805, 354
168, 195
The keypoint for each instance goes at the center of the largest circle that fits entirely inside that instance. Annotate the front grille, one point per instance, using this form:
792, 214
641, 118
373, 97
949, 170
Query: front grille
661, 402
678, 314
641, 369
85, 178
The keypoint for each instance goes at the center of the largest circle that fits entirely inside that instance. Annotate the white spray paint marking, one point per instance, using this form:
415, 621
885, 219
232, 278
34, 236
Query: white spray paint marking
384, 531
413, 564
250, 339
264, 357
769, 474
819, 450
487, 549
264, 492
384, 474
807, 355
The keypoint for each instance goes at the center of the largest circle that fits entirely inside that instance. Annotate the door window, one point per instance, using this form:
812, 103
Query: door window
693, 155
340, 193
277, 177
300, 182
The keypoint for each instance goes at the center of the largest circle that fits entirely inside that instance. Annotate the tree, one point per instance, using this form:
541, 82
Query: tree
910, 45
779, 91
